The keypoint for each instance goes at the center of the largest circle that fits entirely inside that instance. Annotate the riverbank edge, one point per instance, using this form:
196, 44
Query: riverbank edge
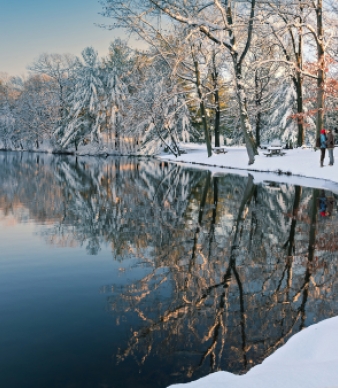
279, 173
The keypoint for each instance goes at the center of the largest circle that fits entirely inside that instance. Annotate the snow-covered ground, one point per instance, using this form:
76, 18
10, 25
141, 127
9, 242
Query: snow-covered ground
299, 166
308, 360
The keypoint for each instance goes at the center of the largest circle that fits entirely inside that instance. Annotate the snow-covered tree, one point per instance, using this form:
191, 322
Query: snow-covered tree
87, 103
36, 111
116, 78
229, 24
61, 69
159, 108
7, 119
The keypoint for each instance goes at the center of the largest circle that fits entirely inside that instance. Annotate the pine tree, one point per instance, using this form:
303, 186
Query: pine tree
87, 103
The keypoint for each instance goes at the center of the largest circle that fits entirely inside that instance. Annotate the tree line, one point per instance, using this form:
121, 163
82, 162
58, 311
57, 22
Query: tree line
244, 71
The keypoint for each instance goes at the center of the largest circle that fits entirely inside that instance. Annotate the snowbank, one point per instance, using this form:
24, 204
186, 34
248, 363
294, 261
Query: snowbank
296, 164
308, 360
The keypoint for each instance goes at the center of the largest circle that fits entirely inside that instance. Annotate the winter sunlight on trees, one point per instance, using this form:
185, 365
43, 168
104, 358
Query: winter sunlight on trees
244, 71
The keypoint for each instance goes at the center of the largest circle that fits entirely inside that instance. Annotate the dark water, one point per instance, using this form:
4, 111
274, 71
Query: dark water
136, 273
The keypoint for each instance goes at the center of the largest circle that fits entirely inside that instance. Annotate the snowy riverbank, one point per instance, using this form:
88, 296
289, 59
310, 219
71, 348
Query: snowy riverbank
298, 166
308, 360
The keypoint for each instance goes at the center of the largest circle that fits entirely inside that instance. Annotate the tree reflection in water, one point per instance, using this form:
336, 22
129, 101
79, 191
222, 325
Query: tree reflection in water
233, 268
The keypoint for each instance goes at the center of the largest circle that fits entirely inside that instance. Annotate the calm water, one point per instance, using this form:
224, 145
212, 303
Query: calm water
135, 273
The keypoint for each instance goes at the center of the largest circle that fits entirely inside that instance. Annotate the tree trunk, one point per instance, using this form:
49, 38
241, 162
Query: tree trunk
313, 225
235, 251
258, 128
214, 75
258, 101
290, 244
217, 119
213, 218
298, 81
321, 68
202, 109
251, 146
311, 255
200, 217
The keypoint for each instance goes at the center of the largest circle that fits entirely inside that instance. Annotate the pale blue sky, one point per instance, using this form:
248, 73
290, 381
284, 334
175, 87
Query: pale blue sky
31, 27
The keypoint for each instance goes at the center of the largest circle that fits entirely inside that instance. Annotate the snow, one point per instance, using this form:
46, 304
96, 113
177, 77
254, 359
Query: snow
308, 360
298, 166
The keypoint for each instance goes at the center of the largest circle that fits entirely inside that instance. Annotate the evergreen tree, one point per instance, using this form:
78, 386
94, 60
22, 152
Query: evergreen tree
87, 102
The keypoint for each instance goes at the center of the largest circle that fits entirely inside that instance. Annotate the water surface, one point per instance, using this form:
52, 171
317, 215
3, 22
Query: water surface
123, 272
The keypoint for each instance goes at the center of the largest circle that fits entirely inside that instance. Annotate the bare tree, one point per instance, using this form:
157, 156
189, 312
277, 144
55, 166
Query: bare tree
228, 24
60, 68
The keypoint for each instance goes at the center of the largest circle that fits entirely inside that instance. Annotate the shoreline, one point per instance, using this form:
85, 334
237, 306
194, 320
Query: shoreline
198, 159
260, 175
307, 360
299, 166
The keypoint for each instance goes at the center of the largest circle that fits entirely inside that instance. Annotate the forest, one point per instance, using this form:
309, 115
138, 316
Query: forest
216, 72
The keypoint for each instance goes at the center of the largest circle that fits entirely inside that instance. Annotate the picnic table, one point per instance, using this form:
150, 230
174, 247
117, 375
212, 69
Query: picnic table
274, 150
182, 150
219, 150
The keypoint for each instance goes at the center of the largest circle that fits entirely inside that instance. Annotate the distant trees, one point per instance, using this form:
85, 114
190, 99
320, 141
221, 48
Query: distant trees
250, 71
61, 70
7, 119
125, 103
27, 111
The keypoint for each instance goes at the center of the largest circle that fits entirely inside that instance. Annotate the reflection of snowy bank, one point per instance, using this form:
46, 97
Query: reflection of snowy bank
308, 360
297, 167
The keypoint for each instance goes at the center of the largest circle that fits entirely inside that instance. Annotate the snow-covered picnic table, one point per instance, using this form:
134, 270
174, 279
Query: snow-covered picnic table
182, 150
274, 150
219, 150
